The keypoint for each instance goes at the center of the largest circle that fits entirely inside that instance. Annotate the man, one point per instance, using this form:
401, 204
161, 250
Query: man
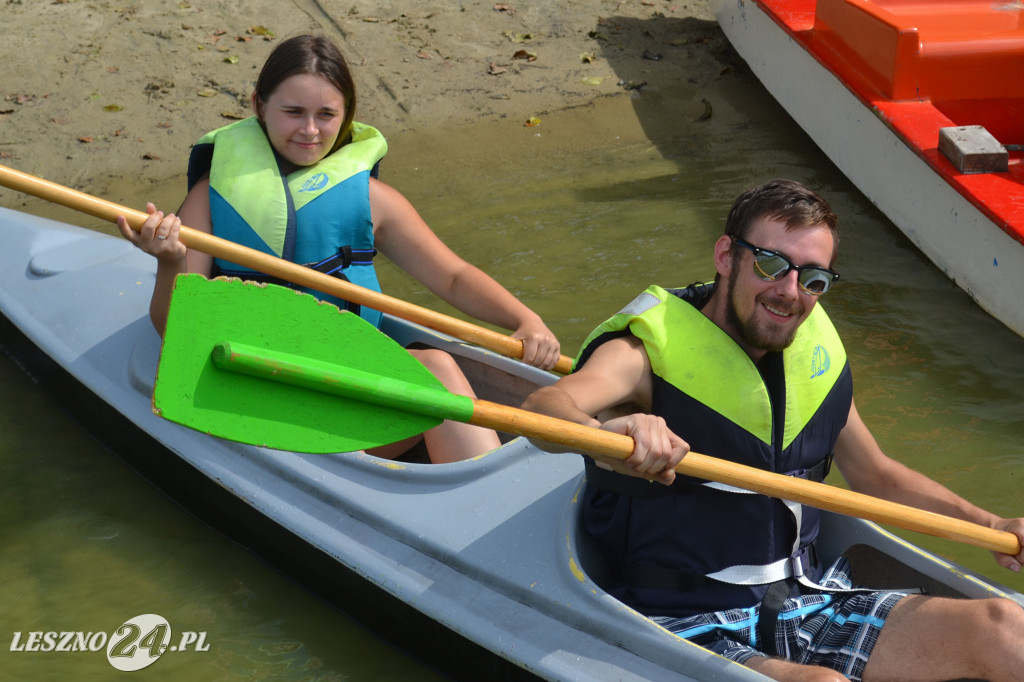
749, 368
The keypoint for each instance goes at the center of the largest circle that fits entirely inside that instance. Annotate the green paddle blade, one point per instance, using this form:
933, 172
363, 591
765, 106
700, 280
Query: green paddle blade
191, 390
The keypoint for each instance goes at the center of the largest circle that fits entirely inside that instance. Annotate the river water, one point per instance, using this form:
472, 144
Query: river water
576, 216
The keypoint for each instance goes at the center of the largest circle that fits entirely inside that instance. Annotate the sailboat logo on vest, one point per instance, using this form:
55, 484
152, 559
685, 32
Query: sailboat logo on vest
136, 644
819, 362
315, 183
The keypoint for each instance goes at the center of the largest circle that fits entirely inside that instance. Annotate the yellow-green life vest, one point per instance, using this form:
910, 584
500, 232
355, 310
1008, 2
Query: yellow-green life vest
696, 547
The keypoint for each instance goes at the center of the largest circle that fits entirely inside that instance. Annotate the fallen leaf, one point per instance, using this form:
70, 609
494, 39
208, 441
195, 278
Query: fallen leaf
232, 115
587, 57
495, 70
502, 7
423, 54
207, 92
593, 80
523, 54
113, 107
231, 60
261, 31
113, 69
518, 37
150, 157
85, 139
531, 122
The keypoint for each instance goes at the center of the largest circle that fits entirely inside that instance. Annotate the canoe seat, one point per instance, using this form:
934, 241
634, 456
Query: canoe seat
927, 49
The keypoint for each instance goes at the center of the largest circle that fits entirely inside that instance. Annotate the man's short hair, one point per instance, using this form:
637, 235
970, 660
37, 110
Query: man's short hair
786, 201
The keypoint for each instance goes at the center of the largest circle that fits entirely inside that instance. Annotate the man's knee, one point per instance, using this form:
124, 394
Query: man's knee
441, 364
1002, 619
1004, 614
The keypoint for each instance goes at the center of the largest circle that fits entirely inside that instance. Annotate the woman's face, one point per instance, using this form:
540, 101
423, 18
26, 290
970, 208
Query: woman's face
303, 117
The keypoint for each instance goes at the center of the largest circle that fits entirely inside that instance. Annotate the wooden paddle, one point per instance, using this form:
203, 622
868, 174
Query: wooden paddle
269, 366
277, 267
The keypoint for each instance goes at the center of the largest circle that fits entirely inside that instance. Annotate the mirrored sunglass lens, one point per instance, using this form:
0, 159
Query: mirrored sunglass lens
815, 281
771, 266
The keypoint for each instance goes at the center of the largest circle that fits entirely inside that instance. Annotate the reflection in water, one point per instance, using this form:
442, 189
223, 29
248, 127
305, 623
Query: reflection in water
576, 216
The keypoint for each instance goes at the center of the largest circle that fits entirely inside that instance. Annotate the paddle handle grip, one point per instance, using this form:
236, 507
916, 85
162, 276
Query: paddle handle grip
604, 444
277, 267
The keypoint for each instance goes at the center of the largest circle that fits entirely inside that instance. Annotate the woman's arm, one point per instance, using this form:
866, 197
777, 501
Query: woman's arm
405, 238
159, 238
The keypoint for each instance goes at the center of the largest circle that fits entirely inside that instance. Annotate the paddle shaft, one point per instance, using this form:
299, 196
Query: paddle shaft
277, 267
361, 385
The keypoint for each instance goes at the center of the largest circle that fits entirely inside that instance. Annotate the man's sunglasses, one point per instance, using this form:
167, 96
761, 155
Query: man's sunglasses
771, 266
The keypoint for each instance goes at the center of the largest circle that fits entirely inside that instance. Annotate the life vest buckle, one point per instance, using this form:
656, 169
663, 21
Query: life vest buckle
796, 564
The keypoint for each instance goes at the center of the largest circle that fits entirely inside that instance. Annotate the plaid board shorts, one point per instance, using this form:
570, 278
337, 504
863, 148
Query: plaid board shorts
832, 630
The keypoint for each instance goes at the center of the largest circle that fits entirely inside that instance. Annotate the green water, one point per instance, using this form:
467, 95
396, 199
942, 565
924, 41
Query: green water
576, 217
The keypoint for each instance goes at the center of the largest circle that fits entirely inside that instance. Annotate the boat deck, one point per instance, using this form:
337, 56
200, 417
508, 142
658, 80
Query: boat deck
926, 65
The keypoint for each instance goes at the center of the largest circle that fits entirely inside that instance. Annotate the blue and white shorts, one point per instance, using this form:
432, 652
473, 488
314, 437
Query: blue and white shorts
836, 630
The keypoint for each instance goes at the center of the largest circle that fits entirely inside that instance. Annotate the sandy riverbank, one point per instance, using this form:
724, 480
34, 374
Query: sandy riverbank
106, 96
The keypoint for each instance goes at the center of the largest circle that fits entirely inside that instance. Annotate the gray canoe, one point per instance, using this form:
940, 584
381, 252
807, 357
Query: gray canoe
476, 567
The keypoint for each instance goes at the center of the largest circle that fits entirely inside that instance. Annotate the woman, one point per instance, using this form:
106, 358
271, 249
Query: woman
296, 180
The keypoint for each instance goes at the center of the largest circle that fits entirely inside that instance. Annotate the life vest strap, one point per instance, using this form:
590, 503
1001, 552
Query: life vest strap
332, 265
665, 578
345, 257
795, 566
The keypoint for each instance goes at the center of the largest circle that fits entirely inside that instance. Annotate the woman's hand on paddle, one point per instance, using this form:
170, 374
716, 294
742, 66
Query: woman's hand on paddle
540, 347
1012, 562
656, 450
158, 235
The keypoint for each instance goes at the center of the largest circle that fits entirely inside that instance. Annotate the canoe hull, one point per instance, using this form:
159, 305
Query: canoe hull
478, 568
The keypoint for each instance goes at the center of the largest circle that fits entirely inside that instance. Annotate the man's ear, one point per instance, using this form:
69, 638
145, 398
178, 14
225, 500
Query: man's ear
257, 107
724, 255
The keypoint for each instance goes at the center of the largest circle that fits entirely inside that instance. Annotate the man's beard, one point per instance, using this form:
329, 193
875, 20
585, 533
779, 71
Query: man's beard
766, 337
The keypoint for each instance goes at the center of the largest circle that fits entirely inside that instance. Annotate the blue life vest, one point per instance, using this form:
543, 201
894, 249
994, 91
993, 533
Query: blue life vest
317, 216
696, 547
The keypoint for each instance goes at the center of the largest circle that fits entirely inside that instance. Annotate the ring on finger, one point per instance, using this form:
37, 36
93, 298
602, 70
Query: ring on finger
161, 237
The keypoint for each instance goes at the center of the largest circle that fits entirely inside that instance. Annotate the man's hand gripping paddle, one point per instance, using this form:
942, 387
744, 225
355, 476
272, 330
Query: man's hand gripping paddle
272, 367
